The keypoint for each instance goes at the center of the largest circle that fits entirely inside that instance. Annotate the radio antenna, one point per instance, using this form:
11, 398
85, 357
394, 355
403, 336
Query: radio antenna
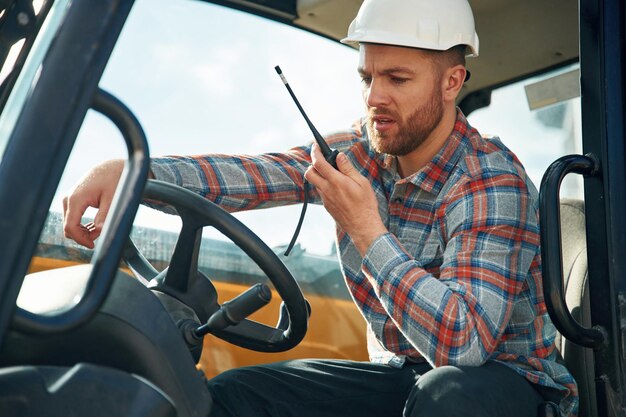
329, 154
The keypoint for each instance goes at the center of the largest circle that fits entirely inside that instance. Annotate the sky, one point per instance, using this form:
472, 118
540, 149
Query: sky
200, 78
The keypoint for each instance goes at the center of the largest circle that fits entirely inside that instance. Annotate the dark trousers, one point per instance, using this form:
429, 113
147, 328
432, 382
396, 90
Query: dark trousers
320, 388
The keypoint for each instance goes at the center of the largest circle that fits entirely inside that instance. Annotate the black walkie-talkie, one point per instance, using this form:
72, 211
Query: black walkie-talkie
329, 154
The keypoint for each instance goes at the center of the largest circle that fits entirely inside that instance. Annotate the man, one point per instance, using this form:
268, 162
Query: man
438, 236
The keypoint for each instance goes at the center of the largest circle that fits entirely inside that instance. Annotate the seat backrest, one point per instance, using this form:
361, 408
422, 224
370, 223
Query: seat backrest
578, 360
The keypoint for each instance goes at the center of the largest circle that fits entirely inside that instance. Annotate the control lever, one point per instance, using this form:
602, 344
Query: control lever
234, 311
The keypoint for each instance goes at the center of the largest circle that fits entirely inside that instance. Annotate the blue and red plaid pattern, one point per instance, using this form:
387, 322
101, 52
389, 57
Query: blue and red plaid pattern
456, 281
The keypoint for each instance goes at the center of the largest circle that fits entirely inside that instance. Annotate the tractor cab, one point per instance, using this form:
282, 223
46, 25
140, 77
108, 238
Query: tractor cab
137, 324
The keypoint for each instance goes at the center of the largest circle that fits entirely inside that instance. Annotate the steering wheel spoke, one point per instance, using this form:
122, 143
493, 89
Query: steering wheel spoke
137, 263
183, 269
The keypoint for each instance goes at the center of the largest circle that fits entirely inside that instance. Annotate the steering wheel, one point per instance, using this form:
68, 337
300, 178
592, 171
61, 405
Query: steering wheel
183, 281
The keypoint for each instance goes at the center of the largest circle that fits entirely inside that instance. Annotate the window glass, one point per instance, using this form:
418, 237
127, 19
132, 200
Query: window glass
537, 137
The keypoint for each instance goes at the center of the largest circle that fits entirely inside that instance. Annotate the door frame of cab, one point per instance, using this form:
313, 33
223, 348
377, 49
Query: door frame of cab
603, 73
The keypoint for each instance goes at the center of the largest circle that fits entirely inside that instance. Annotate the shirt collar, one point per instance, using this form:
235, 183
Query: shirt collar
434, 175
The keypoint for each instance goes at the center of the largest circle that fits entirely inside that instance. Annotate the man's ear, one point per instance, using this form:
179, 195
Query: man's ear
452, 82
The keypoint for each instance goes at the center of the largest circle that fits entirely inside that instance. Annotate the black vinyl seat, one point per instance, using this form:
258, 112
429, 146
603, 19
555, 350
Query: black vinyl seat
579, 360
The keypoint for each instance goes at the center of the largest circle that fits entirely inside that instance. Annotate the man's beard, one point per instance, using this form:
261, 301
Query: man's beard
411, 133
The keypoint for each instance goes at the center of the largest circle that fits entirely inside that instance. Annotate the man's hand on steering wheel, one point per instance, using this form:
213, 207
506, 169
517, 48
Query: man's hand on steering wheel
96, 189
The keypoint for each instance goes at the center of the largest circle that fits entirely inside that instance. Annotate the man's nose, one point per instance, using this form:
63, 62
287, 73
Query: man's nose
376, 94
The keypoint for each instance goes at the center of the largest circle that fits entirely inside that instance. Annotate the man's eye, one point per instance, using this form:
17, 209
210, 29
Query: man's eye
366, 80
398, 80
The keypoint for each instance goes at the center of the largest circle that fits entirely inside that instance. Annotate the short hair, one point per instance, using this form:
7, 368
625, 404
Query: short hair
450, 57
456, 55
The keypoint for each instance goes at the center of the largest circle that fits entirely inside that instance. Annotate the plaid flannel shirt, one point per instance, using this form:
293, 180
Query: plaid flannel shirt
456, 281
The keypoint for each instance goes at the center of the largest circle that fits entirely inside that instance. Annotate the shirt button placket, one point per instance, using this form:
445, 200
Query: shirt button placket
396, 202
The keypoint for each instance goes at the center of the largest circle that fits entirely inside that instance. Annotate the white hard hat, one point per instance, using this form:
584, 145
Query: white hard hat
427, 24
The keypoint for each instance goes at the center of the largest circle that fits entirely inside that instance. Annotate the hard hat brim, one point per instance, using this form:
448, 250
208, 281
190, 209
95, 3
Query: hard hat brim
393, 40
